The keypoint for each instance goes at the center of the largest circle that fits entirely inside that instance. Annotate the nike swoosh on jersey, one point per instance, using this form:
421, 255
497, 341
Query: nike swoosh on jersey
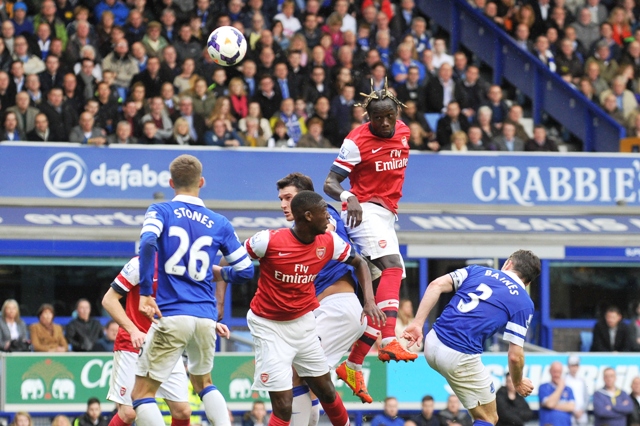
376, 150
283, 254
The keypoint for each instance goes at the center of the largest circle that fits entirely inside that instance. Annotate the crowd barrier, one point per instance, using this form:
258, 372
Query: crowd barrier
64, 382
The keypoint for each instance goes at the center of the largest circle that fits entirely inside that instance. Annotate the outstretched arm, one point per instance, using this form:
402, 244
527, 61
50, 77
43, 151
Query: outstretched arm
443, 284
333, 188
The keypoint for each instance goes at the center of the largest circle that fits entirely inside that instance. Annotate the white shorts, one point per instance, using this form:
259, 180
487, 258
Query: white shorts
465, 373
169, 338
281, 344
338, 325
123, 377
376, 234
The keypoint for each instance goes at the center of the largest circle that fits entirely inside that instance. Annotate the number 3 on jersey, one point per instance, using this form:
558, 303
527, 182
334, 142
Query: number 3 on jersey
195, 254
485, 293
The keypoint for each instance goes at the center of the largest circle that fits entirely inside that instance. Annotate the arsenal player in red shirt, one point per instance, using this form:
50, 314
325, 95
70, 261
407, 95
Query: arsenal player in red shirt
374, 156
281, 318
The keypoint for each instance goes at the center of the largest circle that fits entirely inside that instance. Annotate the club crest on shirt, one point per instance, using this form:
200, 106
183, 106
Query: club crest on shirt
123, 390
264, 377
320, 252
382, 243
404, 141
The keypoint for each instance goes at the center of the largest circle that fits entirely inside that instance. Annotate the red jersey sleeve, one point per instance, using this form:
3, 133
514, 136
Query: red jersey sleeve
342, 250
129, 276
257, 245
348, 158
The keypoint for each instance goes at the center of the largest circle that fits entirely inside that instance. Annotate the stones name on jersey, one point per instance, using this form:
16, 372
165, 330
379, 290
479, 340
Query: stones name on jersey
193, 215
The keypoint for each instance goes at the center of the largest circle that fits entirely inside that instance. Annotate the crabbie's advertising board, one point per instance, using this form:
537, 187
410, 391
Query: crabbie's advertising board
70, 171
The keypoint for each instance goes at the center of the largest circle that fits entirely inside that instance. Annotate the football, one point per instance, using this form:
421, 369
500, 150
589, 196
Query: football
226, 46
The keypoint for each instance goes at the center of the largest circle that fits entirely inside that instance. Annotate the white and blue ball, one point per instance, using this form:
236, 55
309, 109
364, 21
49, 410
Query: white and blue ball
226, 46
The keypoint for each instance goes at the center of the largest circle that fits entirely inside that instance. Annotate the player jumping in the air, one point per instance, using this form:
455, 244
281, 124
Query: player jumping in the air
374, 156
281, 318
186, 236
131, 334
339, 319
485, 301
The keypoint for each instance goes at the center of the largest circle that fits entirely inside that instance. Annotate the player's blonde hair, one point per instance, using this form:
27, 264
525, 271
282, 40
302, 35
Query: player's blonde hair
186, 171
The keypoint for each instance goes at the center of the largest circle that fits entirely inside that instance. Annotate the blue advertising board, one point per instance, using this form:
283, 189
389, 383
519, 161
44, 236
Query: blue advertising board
409, 382
67, 172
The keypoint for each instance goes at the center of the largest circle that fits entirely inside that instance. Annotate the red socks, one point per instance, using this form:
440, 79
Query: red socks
117, 421
387, 299
179, 422
335, 411
274, 421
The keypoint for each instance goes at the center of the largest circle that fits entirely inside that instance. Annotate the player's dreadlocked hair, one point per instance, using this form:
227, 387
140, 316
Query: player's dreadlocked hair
378, 95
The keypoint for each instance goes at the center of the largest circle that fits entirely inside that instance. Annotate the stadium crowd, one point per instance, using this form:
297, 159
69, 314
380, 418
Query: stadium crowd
109, 72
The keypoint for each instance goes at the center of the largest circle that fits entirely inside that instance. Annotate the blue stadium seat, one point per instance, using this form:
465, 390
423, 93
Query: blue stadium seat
432, 118
586, 337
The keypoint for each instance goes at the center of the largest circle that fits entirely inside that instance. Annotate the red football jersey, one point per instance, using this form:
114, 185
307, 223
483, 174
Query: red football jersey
288, 268
376, 166
127, 281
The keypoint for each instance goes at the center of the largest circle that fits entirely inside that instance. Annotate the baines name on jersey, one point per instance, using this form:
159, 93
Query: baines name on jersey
513, 287
197, 216
298, 278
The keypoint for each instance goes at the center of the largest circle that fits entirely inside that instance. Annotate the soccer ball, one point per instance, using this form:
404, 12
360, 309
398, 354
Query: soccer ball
226, 46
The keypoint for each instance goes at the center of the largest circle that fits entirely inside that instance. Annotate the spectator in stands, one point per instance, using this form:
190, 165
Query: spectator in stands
485, 122
470, 92
62, 118
153, 41
499, 108
22, 24
452, 122
317, 87
513, 410
453, 414
295, 125
181, 134
580, 392
556, 399
40, 132
540, 141
426, 416
602, 57
401, 66
119, 10
10, 130
86, 133
598, 83
159, 116
152, 77
475, 142
48, 14
515, 117
255, 112
411, 89
389, 416
330, 128
169, 98
122, 63
83, 331
458, 142
150, 134
587, 31
5, 56
195, 123
186, 45
610, 106
620, 25
267, 97
123, 134
14, 336
567, 61
32, 86
634, 417
106, 342
61, 420
22, 418
610, 334
440, 91
341, 110
25, 114
32, 63
611, 405
257, 416
51, 76
83, 37
253, 135
93, 415
625, 99
314, 137
45, 335
440, 55
221, 136
508, 141
542, 52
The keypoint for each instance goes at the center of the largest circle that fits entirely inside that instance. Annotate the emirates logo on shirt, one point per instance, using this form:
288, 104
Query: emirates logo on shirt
382, 243
264, 377
320, 252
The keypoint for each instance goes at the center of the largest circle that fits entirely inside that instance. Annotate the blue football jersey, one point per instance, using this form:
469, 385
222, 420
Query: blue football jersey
334, 269
188, 238
486, 300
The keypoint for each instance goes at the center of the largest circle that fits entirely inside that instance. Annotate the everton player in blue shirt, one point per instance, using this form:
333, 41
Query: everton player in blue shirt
186, 236
485, 300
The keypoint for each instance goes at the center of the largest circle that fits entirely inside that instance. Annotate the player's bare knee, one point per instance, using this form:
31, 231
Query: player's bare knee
180, 410
281, 403
127, 413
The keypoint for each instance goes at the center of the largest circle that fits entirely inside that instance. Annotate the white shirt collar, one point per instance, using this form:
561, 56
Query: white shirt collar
515, 277
189, 199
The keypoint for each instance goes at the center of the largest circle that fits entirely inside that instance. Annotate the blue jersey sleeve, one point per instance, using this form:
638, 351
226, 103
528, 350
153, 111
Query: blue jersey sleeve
240, 267
151, 229
516, 328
